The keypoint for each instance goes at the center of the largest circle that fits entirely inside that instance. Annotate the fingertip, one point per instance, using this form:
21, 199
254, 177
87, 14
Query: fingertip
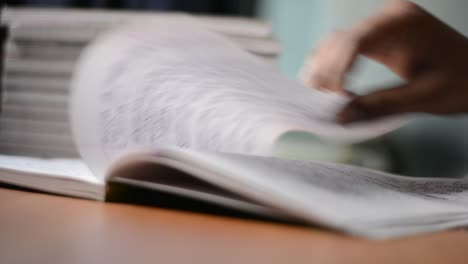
317, 81
322, 78
336, 86
332, 79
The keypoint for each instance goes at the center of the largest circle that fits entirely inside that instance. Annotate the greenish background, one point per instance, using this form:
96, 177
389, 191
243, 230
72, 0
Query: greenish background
430, 145
296, 25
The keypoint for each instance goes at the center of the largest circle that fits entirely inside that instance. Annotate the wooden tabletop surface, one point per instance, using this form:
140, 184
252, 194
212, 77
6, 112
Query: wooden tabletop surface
42, 228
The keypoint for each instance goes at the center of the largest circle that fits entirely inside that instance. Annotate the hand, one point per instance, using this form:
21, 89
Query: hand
429, 55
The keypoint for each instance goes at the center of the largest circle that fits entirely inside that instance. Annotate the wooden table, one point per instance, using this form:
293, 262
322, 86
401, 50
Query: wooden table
41, 228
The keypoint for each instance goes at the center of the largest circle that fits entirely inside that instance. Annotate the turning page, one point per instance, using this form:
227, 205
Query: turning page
172, 83
352, 199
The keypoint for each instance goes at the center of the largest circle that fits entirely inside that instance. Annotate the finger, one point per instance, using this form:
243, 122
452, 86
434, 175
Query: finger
310, 72
339, 61
333, 61
336, 55
423, 95
306, 73
315, 71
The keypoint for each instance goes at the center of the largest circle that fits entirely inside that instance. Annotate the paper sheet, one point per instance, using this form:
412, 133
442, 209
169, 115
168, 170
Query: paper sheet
357, 200
171, 83
73, 169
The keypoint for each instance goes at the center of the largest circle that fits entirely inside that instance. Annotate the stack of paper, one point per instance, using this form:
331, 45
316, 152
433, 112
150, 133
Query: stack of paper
42, 51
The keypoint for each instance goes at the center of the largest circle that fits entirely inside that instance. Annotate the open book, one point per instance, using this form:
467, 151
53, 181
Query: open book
174, 108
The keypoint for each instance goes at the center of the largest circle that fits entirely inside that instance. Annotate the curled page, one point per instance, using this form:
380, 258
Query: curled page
356, 200
172, 83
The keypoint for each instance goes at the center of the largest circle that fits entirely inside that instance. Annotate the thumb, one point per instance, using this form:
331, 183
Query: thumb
418, 96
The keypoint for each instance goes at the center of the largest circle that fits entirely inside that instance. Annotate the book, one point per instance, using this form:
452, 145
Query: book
186, 112
60, 50
61, 33
84, 23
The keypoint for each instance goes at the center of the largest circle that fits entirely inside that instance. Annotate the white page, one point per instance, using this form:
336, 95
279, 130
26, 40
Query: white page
65, 168
357, 200
173, 83
61, 176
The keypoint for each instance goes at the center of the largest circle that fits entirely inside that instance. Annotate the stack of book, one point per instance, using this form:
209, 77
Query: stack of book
42, 51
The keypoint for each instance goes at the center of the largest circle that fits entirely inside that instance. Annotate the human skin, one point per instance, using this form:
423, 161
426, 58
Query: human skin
429, 55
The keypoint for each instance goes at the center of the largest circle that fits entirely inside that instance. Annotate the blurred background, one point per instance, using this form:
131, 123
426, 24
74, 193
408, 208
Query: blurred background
429, 146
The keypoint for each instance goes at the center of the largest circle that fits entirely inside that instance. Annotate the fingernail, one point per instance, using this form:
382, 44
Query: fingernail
351, 114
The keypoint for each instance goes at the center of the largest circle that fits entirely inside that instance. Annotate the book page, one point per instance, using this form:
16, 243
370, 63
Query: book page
172, 83
353, 199
62, 176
